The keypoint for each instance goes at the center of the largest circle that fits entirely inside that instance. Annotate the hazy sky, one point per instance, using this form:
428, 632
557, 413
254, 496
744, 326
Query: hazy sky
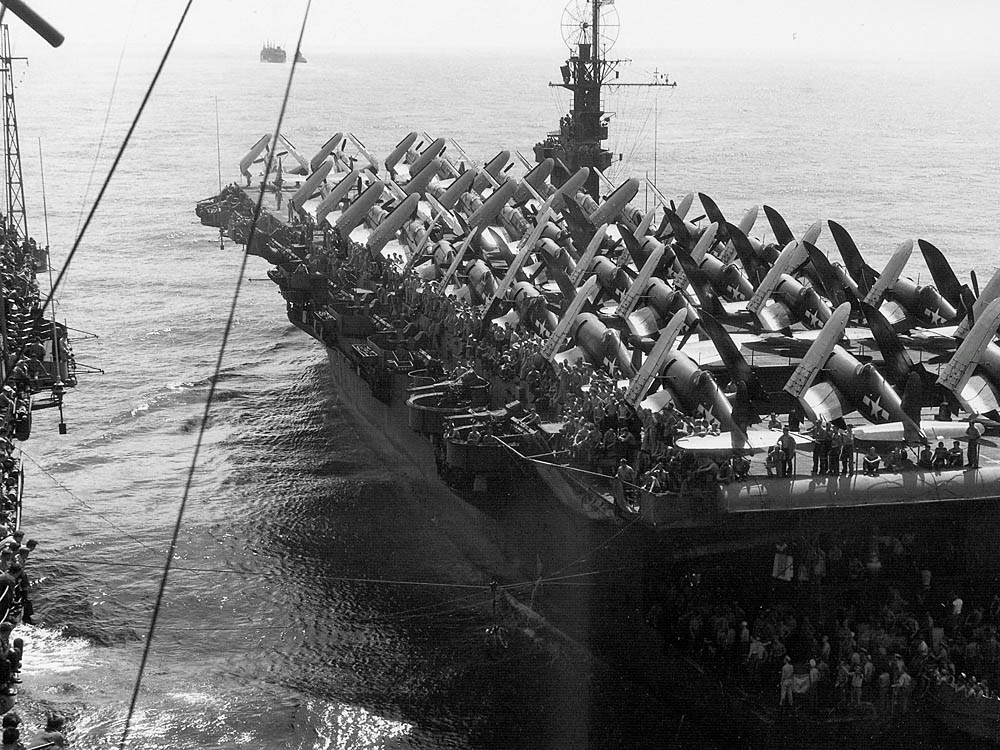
894, 28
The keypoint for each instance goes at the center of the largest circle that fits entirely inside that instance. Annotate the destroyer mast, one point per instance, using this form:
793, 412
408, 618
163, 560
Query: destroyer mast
589, 28
14, 206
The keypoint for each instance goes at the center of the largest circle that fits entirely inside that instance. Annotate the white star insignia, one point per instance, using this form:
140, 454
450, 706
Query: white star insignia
875, 407
935, 317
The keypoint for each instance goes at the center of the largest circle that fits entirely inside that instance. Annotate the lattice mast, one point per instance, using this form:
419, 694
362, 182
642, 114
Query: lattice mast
589, 29
16, 215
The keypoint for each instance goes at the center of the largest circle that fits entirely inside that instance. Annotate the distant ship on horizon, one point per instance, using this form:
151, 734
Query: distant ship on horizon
272, 53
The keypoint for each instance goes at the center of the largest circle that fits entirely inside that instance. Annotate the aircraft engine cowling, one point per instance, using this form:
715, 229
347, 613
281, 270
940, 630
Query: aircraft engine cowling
481, 280
601, 343
609, 275
552, 232
444, 253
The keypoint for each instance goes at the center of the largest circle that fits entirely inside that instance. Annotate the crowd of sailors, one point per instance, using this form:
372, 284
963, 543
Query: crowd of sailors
26, 328
600, 430
23, 354
896, 631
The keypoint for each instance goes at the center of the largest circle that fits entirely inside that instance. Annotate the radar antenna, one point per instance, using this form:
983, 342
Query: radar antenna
590, 29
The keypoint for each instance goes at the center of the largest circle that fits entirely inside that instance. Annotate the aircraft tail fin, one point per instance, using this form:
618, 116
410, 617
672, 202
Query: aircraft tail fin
896, 357
747, 257
715, 215
732, 357
942, 273
700, 282
678, 228
782, 234
575, 214
863, 274
558, 274
826, 276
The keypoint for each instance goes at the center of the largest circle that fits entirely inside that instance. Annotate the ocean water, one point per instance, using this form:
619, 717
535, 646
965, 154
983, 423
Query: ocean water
272, 633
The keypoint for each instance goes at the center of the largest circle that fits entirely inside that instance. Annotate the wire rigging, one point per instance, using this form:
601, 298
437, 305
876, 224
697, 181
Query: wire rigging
171, 550
86, 505
107, 119
118, 157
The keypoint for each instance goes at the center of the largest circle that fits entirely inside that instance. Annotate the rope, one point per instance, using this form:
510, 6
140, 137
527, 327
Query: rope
82, 502
104, 128
171, 550
180, 513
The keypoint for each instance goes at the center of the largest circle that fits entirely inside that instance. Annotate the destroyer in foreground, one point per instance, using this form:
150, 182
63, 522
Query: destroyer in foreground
36, 368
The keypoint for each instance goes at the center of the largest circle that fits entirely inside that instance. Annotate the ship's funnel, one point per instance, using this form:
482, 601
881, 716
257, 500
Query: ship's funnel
535, 179
311, 185
336, 195
494, 167
460, 186
391, 224
255, 151
615, 203
487, 212
400, 151
325, 150
427, 156
355, 213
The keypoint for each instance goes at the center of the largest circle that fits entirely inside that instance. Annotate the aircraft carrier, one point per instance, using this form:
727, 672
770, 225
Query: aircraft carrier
468, 316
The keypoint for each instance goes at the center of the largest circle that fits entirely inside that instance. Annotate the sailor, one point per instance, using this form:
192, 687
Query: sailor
926, 458
943, 412
940, 456
625, 473
787, 443
794, 418
816, 433
901, 692
955, 455
52, 735
775, 461
871, 462
774, 423
741, 468
972, 436
278, 182
787, 679
836, 449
